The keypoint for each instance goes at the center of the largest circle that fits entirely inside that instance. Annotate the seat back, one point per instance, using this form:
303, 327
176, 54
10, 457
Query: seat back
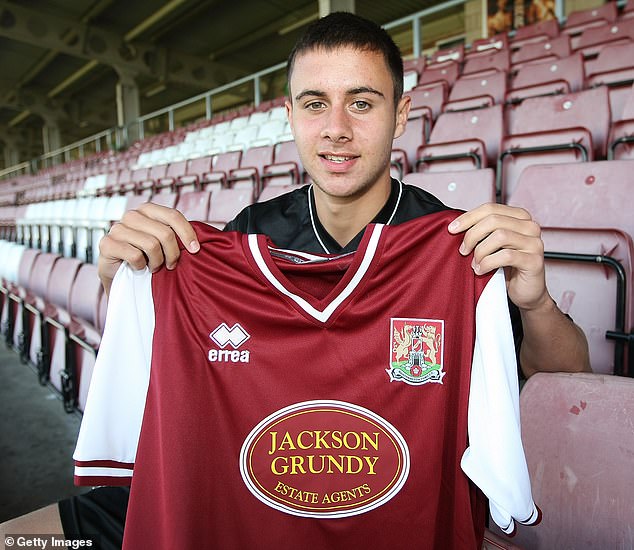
589, 291
567, 69
40, 274
581, 195
464, 190
492, 86
61, 281
226, 204
85, 294
194, 205
589, 109
577, 434
25, 268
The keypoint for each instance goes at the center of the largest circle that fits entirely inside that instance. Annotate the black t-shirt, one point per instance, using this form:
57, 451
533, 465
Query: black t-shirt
291, 221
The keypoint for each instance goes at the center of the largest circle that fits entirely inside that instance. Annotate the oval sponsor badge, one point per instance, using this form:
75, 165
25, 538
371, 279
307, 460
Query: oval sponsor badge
324, 459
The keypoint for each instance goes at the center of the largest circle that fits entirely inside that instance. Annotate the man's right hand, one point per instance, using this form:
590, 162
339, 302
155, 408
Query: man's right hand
145, 237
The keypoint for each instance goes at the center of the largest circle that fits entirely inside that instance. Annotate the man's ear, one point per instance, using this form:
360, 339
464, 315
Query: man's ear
402, 112
289, 113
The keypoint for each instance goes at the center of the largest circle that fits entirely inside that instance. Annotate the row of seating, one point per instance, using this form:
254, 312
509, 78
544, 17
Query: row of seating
53, 312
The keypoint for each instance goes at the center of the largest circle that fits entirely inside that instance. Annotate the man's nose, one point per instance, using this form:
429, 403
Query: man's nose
337, 125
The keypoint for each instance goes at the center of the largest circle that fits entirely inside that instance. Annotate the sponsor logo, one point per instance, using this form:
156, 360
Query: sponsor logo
223, 336
324, 459
416, 351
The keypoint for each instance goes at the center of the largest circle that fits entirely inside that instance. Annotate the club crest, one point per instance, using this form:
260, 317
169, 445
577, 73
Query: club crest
416, 351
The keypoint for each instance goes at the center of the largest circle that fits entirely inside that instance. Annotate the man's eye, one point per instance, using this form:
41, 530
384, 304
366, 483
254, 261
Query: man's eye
361, 105
314, 105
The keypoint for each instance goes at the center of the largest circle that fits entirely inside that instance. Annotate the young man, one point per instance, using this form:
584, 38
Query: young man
345, 108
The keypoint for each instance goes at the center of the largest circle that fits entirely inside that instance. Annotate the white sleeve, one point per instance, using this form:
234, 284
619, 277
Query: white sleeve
110, 428
495, 459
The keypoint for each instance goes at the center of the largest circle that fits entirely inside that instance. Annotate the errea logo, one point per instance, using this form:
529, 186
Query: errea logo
223, 336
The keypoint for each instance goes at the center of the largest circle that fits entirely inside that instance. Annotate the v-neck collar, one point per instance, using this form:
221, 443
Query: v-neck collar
385, 216
321, 310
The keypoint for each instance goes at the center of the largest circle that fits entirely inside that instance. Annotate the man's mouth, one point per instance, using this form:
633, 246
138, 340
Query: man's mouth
338, 158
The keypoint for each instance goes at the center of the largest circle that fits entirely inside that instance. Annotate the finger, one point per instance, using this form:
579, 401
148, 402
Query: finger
156, 238
140, 248
500, 239
176, 220
523, 260
472, 217
506, 224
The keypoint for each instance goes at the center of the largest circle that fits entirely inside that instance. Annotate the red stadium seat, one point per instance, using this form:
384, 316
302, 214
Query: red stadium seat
579, 195
596, 294
455, 54
471, 92
550, 49
223, 163
52, 314
464, 190
427, 101
579, 460
589, 109
194, 205
405, 146
287, 168
621, 139
542, 31
592, 40
195, 177
580, 20
559, 76
446, 72
463, 140
225, 205
488, 63
252, 167
486, 46
273, 191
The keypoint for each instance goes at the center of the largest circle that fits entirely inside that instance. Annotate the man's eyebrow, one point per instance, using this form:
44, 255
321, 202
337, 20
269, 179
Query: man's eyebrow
351, 91
364, 90
312, 93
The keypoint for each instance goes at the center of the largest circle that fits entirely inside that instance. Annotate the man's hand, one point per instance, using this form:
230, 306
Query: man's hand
506, 236
145, 236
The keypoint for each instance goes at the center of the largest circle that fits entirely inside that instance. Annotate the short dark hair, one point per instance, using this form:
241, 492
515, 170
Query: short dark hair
341, 29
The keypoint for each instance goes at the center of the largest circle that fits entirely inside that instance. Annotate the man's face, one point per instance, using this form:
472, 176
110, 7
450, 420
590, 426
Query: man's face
343, 118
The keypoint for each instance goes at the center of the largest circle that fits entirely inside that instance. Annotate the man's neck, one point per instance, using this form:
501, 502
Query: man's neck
344, 217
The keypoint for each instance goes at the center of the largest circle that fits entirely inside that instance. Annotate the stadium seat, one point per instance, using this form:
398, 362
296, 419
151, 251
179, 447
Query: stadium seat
225, 205
251, 168
589, 109
464, 190
496, 60
223, 163
580, 20
273, 191
446, 72
194, 205
621, 138
405, 147
410, 79
542, 31
428, 100
471, 92
455, 54
544, 50
287, 168
592, 40
487, 46
555, 146
55, 360
596, 294
560, 76
84, 336
463, 140
195, 177
580, 460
